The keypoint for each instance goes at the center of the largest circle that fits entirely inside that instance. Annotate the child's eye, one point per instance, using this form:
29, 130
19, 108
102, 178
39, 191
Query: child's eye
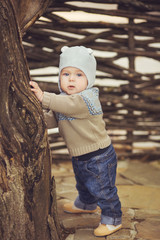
66, 74
79, 74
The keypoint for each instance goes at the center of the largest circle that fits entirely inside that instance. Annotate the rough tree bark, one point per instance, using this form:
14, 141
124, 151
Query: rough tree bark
27, 195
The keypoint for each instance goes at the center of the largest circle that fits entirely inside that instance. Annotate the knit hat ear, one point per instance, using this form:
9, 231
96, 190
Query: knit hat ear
64, 48
79, 57
90, 51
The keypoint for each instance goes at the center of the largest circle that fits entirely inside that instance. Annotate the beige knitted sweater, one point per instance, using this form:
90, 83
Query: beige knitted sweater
79, 118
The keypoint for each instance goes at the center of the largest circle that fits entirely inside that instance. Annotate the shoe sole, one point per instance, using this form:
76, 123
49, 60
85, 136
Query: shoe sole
109, 233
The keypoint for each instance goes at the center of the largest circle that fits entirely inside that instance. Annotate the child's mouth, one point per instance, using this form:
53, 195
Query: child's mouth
71, 87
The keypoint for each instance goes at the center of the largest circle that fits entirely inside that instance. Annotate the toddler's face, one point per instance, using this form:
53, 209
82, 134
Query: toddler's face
73, 80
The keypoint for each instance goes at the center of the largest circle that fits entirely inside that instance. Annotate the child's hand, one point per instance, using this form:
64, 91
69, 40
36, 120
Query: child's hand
37, 91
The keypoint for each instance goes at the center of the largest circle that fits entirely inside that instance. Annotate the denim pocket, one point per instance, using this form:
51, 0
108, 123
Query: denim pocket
92, 167
103, 168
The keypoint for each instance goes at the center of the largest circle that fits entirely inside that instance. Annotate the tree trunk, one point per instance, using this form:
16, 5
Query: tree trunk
27, 209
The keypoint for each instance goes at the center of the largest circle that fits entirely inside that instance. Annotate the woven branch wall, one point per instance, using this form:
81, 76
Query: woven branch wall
122, 33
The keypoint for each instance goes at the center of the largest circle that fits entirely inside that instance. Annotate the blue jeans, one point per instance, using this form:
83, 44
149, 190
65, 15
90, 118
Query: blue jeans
95, 179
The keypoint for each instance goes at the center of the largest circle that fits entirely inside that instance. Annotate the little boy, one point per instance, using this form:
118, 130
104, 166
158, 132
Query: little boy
78, 114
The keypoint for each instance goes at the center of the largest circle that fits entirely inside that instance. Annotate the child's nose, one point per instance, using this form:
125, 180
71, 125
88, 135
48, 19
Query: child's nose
71, 77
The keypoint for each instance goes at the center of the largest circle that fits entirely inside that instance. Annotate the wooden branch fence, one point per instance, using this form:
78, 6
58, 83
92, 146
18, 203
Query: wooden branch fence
132, 106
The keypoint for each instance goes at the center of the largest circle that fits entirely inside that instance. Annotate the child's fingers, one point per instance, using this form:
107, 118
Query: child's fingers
33, 84
34, 87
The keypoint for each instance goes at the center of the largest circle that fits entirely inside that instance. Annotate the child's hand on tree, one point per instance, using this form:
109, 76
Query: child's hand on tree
36, 89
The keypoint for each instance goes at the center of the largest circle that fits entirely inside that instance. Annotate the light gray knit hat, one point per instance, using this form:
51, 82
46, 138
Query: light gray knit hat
81, 58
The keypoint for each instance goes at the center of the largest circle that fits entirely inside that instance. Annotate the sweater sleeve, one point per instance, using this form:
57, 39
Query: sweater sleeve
50, 119
69, 105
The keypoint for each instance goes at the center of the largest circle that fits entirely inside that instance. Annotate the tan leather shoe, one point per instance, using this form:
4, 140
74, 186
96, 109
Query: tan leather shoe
71, 208
104, 230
